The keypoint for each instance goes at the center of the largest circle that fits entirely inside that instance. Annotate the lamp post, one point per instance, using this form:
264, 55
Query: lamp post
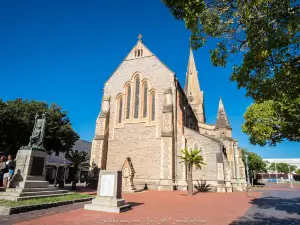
290, 176
276, 172
64, 170
247, 169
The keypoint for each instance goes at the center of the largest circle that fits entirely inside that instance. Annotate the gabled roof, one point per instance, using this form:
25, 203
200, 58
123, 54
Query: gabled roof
145, 53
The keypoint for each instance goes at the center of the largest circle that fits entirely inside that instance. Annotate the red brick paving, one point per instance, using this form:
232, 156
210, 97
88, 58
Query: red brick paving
153, 207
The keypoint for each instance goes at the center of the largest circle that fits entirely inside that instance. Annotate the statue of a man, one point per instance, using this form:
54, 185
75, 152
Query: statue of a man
36, 139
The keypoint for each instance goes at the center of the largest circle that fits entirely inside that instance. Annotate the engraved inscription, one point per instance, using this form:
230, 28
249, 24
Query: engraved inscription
37, 166
107, 185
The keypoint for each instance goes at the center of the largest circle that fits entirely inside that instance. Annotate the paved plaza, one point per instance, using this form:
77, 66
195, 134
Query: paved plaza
274, 204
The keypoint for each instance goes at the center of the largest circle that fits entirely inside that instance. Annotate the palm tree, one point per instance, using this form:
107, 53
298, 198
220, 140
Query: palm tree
190, 159
77, 159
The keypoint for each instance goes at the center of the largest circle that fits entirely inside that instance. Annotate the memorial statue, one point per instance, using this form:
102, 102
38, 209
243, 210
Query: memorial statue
37, 136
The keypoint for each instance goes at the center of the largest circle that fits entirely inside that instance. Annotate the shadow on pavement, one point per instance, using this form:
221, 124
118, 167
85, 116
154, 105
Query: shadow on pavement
261, 219
134, 204
289, 205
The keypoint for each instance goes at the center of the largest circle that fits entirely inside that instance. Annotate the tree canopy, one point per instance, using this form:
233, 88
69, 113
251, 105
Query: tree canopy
265, 33
255, 163
17, 121
297, 171
282, 167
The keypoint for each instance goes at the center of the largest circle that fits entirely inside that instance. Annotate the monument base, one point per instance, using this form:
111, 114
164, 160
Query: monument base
105, 208
109, 194
108, 205
29, 179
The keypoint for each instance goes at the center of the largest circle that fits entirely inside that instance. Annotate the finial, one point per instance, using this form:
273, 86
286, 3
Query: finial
140, 37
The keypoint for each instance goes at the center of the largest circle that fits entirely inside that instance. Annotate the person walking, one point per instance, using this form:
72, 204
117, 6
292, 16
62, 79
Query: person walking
1, 174
5, 172
10, 166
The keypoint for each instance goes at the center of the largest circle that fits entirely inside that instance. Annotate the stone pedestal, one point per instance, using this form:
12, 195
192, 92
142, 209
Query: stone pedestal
109, 193
29, 178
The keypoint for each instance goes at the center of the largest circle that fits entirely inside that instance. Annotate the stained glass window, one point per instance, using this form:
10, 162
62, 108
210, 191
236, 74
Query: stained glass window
128, 101
120, 109
153, 107
137, 97
145, 100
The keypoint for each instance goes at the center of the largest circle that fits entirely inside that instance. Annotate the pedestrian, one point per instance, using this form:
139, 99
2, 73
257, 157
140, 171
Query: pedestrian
1, 174
5, 172
10, 166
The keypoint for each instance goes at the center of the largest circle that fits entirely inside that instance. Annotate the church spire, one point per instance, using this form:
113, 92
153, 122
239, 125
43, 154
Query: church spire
222, 121
192, 85
192, 89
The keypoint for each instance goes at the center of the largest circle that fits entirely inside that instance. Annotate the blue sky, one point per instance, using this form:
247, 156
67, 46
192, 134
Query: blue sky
63, 52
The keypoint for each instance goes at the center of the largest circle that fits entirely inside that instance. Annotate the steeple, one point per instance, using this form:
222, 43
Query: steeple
192, 89
192, 86
222, 121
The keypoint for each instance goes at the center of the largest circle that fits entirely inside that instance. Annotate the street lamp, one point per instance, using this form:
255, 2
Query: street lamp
276, 172
247, 169
290, 176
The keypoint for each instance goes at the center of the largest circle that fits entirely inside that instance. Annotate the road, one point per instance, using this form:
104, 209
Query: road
278, 205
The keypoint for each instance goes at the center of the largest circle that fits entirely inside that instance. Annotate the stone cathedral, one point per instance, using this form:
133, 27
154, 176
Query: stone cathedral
146, 115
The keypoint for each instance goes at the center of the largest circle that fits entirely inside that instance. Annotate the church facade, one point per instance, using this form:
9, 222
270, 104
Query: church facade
147, 116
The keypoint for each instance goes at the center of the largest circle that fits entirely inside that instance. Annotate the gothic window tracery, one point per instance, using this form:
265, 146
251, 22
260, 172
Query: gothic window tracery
145, 99
153, 99
120, 109
137, 97
128, 97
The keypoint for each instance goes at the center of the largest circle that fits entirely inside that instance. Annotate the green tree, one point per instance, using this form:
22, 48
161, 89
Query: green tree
264, 34
297, 171
255, 163
16, 124
282, 167
77, 159
190, 159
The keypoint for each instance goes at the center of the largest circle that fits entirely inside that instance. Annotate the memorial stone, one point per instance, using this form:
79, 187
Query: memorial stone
109, 194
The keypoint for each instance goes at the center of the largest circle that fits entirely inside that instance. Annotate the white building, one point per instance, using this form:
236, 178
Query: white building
55, 164
290, 161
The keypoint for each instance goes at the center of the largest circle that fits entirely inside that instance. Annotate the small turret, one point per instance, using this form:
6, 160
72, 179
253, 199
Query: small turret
222, 124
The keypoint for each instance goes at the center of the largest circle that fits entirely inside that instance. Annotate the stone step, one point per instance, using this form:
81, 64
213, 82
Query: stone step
23, 194
34, 184
31, 189
16, 198
32, 193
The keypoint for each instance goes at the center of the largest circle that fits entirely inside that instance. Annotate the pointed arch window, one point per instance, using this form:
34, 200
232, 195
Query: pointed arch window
128, 97
120, 109
137, 97
145, 99
153, 106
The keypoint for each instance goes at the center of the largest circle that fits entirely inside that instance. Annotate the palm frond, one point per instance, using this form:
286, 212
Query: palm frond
192, 157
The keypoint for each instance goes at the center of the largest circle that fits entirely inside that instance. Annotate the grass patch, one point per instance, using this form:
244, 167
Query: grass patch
44, 200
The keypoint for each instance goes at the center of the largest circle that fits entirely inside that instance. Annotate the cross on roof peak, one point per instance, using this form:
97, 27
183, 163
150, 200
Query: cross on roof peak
140, 37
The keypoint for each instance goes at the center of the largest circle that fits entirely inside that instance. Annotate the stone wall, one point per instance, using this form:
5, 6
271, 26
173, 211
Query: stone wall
210, 147
139, 142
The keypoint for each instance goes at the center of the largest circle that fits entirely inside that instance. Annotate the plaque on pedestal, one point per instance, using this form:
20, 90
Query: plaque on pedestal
109, 194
